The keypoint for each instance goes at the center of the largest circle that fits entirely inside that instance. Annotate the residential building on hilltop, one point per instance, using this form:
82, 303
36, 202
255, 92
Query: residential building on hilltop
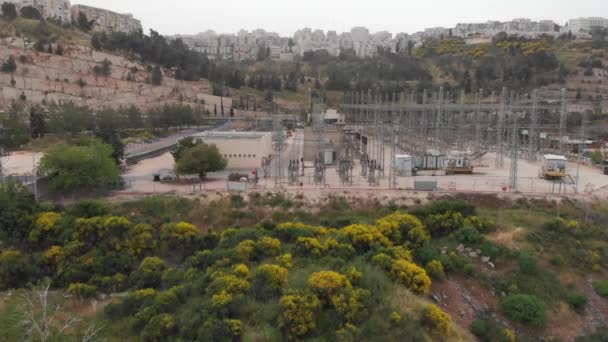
584, 26
49, 9
106, 20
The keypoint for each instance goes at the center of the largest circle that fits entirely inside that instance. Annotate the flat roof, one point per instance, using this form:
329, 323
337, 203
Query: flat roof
554, 157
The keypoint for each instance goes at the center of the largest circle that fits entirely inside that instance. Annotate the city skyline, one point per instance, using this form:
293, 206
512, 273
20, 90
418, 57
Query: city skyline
230, 16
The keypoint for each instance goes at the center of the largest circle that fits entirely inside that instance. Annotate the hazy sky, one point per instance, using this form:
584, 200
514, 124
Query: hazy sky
287, 16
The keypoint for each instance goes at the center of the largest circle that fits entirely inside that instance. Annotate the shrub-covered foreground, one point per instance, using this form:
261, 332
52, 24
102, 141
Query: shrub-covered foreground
277, 281
284, 273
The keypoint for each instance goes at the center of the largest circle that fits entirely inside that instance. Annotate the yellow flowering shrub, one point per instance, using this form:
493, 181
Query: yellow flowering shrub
382, 260
181, 231
395, 317
397, 226
298, 313
45, 223
235, 326
230, 283
401, 252
285, 260
309, 246
241, 270
221, 299
143, 294
141, 239
245, 250
507, 335
290, 231
327, 282
274, 276
435, 269
349, 302
269, 246
353, 275
363, 237
411, 276
437, 320
53, 255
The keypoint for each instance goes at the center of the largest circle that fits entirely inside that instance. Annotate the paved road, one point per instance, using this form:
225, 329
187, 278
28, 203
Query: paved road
133, 150
293, 150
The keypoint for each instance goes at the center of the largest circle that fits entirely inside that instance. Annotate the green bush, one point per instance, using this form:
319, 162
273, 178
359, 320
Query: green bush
527, 263
601, 287
577, 301
82, 290
468, 235
237, 201
457, 206
526, 309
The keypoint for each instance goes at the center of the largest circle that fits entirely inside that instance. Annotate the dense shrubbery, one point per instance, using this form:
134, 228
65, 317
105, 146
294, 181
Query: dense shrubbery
489, 331
601, 287
270, 278
526, 309
186, 284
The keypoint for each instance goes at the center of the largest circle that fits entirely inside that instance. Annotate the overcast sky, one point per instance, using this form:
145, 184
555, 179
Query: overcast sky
287, 16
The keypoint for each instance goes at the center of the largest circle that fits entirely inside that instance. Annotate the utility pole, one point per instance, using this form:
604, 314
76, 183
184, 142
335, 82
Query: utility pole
500, 130
514, 147
35, 173
580, 148
533, 131
439, 118
562, 123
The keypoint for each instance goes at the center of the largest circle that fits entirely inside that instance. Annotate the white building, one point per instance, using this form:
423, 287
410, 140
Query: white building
105, 20
242, 150
586, 25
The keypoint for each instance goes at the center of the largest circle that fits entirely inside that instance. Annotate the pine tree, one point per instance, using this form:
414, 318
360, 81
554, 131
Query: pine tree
156, 78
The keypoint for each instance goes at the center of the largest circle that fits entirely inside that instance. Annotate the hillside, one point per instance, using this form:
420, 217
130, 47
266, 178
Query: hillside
43, 78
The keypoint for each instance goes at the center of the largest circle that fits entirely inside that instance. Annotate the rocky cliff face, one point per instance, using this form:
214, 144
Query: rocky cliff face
45, 78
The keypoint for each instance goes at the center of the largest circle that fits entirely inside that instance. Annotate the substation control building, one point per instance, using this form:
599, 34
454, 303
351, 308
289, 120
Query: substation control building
242, 150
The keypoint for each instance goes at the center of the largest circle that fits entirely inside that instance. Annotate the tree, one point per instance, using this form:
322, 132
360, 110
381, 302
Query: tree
15, 269
149, 273
37, 123
17, 206
29, 12
9, 66
112, 138
183, 145
84, 23
80, 167
9, 11
156, 77
105, 69
200, 159
70, 119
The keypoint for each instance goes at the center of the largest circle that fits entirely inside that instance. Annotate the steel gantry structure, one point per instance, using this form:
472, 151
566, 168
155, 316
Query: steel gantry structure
511, 125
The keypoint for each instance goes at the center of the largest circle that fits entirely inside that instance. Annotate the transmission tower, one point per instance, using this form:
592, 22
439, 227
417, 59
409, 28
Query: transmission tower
500, 130
514, 148
562, 123
533, 133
